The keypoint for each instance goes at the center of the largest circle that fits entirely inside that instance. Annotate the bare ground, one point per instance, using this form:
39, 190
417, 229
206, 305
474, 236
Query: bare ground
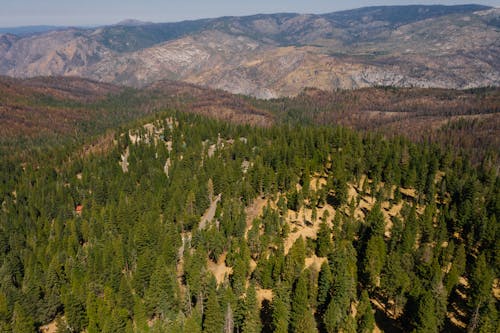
219, 269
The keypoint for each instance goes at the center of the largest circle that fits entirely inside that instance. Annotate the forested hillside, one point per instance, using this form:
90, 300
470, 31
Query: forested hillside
182, 223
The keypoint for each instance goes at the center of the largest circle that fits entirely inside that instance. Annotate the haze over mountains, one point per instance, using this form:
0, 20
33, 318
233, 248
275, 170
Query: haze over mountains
276, 55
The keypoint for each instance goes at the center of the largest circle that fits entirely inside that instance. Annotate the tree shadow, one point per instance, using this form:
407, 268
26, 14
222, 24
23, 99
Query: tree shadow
387, 324
266, 316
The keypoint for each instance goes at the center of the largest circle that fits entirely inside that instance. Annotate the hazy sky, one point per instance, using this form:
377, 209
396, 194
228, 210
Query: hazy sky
96, 12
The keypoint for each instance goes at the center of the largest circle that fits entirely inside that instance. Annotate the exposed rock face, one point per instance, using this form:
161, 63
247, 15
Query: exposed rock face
278, 55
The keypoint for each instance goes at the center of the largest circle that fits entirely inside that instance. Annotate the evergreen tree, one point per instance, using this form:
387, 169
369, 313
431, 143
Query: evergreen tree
364, 316
252, 322
324, 284
375, 256
301, 314
213, 321
281, 310
480, 292
324, 240
22, 322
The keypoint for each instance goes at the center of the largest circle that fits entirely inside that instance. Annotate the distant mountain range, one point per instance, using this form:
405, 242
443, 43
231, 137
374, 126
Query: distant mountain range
276, 55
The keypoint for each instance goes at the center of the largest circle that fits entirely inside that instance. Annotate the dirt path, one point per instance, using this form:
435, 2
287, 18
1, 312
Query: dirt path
124, 161
253, 211
167, 166
210, 213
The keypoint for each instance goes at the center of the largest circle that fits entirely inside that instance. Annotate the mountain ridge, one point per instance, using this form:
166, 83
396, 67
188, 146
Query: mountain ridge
273, 55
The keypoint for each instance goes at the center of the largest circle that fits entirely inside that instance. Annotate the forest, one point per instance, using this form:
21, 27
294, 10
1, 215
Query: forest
117, 215
175, 222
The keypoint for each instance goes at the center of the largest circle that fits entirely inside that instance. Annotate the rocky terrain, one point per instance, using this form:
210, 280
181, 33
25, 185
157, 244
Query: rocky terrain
277, 55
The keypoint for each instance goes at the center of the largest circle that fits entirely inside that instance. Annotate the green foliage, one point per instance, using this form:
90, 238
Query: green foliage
365, 317
281, 310
22, 322
375, 256
118, 264
252, 322
300, 316
213, 320
324, 240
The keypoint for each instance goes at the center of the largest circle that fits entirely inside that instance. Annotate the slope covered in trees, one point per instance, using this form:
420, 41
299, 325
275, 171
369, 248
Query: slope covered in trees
45, 112
355, 231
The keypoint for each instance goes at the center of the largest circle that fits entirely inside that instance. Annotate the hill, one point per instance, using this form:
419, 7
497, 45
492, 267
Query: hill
189, 224
277, 55
40, 110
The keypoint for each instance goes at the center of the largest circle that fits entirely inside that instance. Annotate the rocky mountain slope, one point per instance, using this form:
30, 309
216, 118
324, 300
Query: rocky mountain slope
277, 55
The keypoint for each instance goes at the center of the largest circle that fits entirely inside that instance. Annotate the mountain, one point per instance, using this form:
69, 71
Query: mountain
30, 29
277, 55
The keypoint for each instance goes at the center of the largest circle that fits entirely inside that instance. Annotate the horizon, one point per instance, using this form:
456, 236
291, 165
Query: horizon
55, 14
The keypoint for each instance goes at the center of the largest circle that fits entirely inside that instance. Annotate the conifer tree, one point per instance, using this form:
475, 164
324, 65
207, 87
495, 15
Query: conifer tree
375, 256
324, 284
22, 322
365, 317
252, 322
281, 309
213, 320
300, 310
324, 240
480, 293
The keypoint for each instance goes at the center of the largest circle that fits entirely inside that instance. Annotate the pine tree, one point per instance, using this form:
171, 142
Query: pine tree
295, 260
22, 322
75, 313
252, 322
480, 292
213, 320
281, 309
426, 319
324, 240
375, 256
365, 317
324, 283
300, 304
193, 322
161, 298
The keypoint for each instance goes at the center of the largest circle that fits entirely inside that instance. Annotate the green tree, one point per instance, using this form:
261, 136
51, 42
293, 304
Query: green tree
281, 310
22, 322
364, 316
252, 322
75, 313
213, 320
301, 317
295, 260
324, 240
162, 298
325, 280
481, 280
426, 319
375, 256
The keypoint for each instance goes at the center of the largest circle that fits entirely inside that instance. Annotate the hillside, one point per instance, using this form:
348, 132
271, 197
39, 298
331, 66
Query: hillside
277, 55
52, 111
42, 112
189, 224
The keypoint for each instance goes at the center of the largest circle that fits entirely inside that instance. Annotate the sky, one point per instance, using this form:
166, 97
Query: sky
100, 12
